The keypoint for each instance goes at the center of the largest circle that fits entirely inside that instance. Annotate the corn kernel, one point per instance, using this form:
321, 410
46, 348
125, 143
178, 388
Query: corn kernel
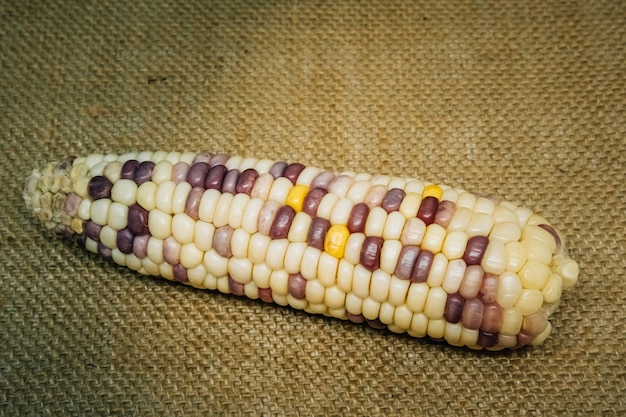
296, 196
335, 241
432, 190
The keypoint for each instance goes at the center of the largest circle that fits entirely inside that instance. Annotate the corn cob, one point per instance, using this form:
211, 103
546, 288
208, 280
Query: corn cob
397, 253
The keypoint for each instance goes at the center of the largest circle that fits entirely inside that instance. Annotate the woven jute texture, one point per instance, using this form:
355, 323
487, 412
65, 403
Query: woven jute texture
523, 100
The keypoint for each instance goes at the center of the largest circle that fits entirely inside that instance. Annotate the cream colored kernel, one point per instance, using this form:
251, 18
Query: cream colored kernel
99, 211
113, 171
437, 270
166, 271
341, 211
433, 238
188, 157
327, 269
124, 191
197, 276
419, 325
190, 255
396, 182
146, 195
307, 175
93, 159
354, 304
84, 209
341, 184
149, 266
144, 156
435, 303
370, 308
80, 187
233, 162
251, 213
210, 282
437, 328
263, 165
454, 276
334, 297
108, 236
345, 272
239, 243
223, 285
460, 219
133, 262
413, 232
494, 259
484, 205
326, 205
454, 245
398, 291
297, 303
361, 281
414, 186
222, 209
553, 289
515, 256
503, 213
505, 232
317, 308
537, 251
164, 196
279, 190
394, 225
158, 156
299, 227
416, 297
314, 291
79, 170
509, 289
380, 179
240, 270
522, 214
568, 270
179, 198
275, 257
375, 223
237, 210
293, 257
466, 200
389, 255
352, 251
91, 245
208, 204
215, 264
542, 336
155, 250
529, 301
379, 285
480, 224
261, 274
159, 224
162, 172
358, 190
450, 194
203, 235
410, 205
173, 157
247, 163
452, 332
511, 321
386, 313
402, 317
310, 259
257, 247
534, 274
183, 228
536, 233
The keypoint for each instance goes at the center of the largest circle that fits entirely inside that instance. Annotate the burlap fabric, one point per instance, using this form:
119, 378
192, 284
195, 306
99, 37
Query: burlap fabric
526, 101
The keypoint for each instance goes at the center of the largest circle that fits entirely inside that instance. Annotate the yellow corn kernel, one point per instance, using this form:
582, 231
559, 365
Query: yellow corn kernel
296, 196
336, 238
432, 190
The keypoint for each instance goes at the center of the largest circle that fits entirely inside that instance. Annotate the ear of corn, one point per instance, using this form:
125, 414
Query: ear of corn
397, 253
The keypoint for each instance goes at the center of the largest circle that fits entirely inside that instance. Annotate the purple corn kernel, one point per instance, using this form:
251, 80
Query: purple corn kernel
487, 339
140, 246
358, 218
221, 241
92, 230
445, 211
296, 285
323, 180
278, 169
202, 157
292, 171
138, 220
128, 169
236, 288
171, 250
99, 187
180, 273
105, 252
370, 252
282, 222
393, 199
428, 210
406, 262
317, 232
492, 318
312, 201
472, 316
229, 185
454, 308
475, 250
192, 205
246, 181
422, 266
265, 294
179, 172
219, 159
143, 173
124, 241
196, 176
215, 178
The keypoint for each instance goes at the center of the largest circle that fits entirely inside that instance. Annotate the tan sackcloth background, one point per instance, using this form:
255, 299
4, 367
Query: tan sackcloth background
525, 100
